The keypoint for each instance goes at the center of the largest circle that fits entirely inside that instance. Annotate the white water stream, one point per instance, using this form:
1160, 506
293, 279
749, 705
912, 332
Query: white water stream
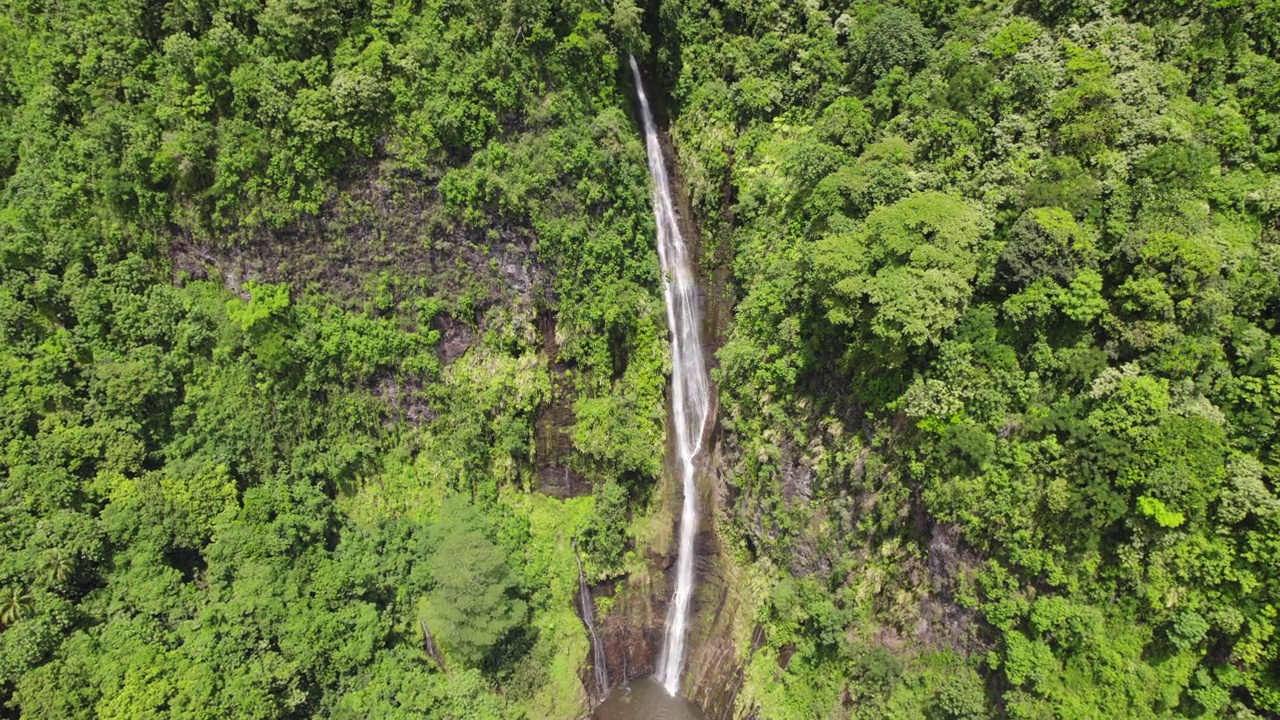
599, 661
690, 391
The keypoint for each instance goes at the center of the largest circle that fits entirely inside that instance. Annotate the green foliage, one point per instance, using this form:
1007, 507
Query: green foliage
1064, 183
403, 686
606, 538
626, 20
222, 498
1156, 510
960, 697
1045, 242
1009, 345
846, 122
998, 291
889, 37
471, 605
265, 303
907, 273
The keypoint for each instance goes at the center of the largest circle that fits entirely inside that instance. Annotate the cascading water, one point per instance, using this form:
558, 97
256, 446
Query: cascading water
690, 391
598, 660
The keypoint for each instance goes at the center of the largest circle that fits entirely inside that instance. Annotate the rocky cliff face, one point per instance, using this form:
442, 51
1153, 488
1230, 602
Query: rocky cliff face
723, 632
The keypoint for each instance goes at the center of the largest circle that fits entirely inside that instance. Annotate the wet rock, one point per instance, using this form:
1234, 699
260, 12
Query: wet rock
554, 450
632, 631
406, 401
383, 225
662, 561
560, 482
797, 481
942, 623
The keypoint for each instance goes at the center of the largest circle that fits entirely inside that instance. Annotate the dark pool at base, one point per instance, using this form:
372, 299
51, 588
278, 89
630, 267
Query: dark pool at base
645, 699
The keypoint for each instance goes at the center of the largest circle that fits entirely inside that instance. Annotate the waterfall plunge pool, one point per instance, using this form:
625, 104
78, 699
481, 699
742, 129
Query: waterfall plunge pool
645, 699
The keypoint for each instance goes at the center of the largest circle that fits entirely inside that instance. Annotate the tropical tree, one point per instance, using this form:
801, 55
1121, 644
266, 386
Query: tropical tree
15, 604
473, 604
56, 566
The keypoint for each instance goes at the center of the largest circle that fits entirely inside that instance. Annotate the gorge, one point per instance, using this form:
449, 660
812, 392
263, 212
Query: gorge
421, 360
690, 403
690, 392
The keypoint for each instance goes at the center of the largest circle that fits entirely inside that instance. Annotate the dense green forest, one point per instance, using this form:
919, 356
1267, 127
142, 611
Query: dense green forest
1005, 334
304, 304
244, 495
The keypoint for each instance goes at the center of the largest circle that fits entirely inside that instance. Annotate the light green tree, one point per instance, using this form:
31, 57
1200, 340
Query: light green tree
473, 605
906, 274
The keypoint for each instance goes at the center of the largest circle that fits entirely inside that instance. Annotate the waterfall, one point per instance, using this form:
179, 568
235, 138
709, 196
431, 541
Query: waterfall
690, 394
598, 661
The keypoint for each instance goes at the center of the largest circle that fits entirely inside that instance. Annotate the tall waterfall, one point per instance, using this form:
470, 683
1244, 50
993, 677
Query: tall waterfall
691, 399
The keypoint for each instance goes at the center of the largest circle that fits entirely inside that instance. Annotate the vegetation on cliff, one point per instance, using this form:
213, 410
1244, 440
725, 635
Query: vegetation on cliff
306, 306
238, 482
1001, 379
